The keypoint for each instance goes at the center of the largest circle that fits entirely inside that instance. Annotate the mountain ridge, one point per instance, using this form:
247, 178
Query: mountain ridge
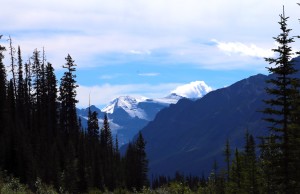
193, 133
127, 114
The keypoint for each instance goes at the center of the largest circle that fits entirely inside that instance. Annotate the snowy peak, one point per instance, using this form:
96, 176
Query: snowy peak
129, 104
136, 106
170, 99
196, 89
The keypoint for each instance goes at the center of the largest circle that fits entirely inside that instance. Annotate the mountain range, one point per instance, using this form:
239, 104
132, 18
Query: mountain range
190, 135
127, 114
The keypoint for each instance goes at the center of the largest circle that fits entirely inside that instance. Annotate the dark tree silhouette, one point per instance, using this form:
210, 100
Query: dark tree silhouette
279, 109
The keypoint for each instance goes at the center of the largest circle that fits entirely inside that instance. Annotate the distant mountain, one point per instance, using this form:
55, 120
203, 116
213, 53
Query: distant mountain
190, 135
127, 115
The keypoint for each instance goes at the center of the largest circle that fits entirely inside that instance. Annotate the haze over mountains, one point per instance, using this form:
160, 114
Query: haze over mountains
128, 114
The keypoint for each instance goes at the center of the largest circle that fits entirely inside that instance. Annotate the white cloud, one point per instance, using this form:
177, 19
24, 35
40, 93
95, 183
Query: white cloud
102, 94
90, 28
250, 50
194, 89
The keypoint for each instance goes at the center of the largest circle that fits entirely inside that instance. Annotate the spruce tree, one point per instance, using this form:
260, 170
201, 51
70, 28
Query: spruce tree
142, 162
93, 126
3, 82
20, 94
3, 92
236, 174
105, 136
67, 98
136, 164
227, 153
69, 129
279, 108
51, 91
13, 65
107, 156
250, 171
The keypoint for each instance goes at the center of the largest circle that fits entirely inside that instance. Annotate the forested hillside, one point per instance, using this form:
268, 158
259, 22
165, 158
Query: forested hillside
41, 137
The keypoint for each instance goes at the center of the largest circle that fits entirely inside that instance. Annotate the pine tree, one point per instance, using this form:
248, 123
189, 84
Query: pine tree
69, 129
105, 136
13, 65
236, 174
280, 108
142, 160
11, 143
267, 155
250, 171
130, 163
3, 93
136, 164
67, 89
21, 92
37, 81
2, 85
107, 156
295, 131
227, 153
51, 91
93, 126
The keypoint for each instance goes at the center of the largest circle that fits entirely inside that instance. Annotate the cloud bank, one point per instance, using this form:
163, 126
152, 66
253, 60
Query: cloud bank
170, 30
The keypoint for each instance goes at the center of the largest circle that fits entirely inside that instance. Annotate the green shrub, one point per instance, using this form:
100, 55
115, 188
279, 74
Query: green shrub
13, 186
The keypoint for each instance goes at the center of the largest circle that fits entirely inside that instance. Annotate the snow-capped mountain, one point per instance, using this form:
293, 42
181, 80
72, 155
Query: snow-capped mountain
135, 106
128, 104
127, 114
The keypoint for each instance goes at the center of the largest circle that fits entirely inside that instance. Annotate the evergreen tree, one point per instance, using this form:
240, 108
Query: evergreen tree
51, 91
130, 170
67, 90
27, 97
21, 92
250, 172
105, 136
107, 156
227, 153
94, 162
142, 162
136, 164
69, 129
11, 143
280, 109
93, 126
2, 100
13, 65
236, 174
50, 126
37, 81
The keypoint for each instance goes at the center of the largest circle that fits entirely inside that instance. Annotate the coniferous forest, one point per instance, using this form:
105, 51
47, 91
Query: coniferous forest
45, 149
42, 139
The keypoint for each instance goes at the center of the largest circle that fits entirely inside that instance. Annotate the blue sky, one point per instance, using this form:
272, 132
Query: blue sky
148, 47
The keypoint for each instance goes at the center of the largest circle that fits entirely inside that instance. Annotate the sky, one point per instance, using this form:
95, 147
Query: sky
148, 47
